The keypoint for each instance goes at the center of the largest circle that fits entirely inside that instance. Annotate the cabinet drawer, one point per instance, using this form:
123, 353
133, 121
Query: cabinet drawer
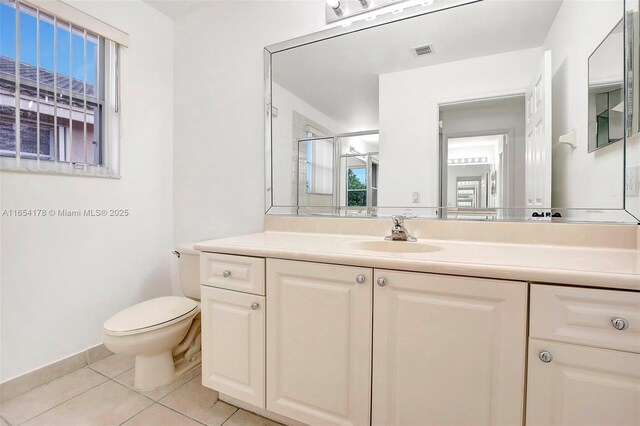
239, 273
585, 316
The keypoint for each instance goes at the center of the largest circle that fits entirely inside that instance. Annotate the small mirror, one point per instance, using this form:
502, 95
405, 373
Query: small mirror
606, 82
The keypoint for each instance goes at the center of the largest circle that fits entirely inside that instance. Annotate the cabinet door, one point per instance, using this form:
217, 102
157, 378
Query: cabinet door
448, 350
582, 386
233, 344
319, 342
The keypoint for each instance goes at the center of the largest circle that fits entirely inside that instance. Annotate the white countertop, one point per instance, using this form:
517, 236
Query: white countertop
583, 266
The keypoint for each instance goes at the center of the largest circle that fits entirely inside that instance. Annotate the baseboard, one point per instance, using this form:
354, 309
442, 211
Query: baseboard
33, 379
260, 411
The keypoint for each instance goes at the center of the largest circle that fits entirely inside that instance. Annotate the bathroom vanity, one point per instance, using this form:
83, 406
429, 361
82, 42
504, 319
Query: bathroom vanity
355, 330
521, 114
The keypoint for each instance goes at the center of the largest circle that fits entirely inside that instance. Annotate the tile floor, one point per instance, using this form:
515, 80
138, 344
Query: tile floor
102, 394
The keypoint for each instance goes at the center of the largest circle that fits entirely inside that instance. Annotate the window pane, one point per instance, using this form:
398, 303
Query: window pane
357, 179
47, 97
78, 64
7, 118
357, 198
63, 131
46, 50
94, 140
28, 120
59, 96
47, 134
77, 131
7, 74
28, 44
7, 36
63, 58
92, 65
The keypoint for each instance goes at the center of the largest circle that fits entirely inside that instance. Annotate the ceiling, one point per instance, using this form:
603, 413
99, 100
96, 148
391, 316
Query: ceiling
339, 76
176, 8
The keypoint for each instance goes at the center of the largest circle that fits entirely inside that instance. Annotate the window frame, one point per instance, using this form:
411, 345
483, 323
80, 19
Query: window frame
105, 98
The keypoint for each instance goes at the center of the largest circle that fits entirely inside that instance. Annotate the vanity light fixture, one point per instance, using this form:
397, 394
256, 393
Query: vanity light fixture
336, 10
472, 160
335, 5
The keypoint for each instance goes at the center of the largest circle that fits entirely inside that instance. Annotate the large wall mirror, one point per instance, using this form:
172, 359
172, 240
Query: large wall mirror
493, 109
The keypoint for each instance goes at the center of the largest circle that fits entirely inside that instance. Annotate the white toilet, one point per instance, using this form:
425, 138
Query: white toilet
162, 333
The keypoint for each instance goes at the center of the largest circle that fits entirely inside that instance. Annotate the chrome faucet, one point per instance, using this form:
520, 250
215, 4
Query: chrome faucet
399, 232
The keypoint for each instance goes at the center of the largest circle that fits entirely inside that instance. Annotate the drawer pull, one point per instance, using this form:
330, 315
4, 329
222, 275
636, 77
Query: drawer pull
382, 281
226, 273
360, 279
619, 323
255, 306
545, 356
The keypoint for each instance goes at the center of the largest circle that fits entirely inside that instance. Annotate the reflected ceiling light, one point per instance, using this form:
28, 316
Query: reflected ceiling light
477, 160
335, 5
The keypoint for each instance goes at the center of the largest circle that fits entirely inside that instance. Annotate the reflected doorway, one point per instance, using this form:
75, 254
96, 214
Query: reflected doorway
482, 146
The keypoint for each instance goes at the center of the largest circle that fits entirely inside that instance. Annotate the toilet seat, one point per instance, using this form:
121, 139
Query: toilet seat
150, 315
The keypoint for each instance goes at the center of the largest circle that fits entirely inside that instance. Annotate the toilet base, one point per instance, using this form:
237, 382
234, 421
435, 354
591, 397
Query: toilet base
156, 371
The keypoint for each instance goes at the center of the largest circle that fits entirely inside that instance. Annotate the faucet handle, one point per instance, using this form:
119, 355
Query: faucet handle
398, 220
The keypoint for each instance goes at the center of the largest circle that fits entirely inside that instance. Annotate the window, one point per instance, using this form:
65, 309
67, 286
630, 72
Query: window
58, 91
319, 165
357, 186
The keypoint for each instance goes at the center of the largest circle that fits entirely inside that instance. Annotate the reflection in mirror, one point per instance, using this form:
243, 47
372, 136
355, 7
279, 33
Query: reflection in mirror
371, 123
606, 82
483, 140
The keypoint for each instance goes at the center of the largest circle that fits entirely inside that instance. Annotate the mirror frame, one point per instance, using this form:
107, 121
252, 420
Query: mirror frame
584, 215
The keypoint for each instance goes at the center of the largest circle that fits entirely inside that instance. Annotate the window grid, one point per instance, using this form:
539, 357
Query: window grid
70, 118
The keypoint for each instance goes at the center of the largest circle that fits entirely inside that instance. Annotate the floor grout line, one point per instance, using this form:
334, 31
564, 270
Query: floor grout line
113, 379
182, 414
232, 414
66, 400
5, 420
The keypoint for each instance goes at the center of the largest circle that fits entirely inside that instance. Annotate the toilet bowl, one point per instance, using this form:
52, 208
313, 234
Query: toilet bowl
163, 334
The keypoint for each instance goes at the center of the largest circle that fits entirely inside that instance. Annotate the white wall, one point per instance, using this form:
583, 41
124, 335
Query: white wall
409, 144
581, 179
63, 277
219, 111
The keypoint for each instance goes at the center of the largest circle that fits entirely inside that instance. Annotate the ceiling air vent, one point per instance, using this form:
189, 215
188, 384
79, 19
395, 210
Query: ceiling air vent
422, 50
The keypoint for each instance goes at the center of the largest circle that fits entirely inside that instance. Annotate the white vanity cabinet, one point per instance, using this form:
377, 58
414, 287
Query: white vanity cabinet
319, 342
233, 329
326, 344
584, 360
447, 350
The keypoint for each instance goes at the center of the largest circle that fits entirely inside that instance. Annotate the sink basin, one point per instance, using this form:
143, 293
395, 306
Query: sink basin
394, 246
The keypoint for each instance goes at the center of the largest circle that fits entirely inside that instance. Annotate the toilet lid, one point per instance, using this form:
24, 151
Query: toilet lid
150, 313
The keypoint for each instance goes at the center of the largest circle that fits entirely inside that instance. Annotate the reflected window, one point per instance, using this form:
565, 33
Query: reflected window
357, 187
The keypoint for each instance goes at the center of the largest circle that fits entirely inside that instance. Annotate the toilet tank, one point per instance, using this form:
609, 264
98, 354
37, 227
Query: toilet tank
189, 270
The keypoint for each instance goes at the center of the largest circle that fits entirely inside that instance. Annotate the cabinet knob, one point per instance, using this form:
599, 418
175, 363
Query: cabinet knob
382, 281
255, 305
619, 323
545, 356
360, 279
226, 273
